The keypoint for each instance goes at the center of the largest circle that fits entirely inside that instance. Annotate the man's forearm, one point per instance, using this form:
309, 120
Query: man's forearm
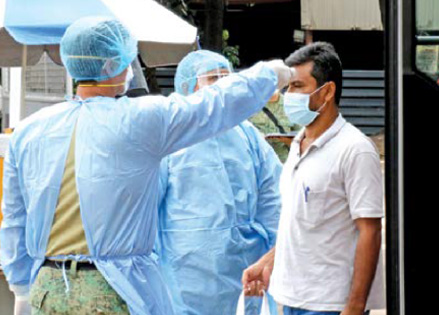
366, 258
268, 258
258, 273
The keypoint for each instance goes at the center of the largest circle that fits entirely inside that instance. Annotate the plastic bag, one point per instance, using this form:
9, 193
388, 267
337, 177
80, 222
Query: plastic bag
265, 308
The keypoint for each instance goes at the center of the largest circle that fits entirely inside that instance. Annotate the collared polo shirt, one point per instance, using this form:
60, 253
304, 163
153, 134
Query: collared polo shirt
336, 181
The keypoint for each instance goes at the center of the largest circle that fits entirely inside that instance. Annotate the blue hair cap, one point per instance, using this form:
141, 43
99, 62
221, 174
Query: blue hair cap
194, 64
97, 48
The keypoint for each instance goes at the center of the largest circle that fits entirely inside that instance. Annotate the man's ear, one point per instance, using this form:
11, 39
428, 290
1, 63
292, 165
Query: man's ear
330, 91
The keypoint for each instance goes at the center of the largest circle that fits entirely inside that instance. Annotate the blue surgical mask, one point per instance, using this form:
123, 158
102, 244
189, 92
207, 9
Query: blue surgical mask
296, 106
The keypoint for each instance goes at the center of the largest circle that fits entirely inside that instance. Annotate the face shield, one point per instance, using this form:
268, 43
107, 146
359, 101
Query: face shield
198, 69
211, 77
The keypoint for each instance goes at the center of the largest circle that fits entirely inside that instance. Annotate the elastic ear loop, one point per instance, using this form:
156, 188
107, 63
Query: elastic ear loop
95, 58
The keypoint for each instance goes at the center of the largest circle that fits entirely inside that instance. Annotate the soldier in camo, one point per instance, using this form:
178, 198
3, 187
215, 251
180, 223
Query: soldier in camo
85, 292
266, 125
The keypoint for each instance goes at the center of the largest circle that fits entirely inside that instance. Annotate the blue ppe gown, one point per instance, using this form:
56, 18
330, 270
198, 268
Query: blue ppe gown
119, 146
218, 214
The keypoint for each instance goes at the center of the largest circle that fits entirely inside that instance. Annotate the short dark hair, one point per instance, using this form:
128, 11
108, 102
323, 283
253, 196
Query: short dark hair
326, 64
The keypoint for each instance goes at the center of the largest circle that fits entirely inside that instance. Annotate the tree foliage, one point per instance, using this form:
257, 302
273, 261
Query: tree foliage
230, 52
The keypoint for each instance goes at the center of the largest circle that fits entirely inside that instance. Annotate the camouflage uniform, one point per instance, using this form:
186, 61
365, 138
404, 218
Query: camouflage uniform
267, 126
89, 293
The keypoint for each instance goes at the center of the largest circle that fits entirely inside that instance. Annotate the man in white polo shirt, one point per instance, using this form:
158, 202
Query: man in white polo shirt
327, 254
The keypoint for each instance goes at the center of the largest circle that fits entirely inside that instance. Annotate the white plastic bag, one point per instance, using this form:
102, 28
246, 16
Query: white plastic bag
265, 308
22, 306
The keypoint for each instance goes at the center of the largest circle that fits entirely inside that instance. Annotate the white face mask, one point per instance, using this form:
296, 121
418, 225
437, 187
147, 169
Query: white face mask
296, 106
129, 77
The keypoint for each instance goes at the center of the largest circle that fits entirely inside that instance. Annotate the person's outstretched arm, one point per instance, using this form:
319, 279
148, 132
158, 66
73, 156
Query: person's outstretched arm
166, 125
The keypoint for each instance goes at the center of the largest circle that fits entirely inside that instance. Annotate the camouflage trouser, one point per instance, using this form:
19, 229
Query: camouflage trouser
89, 293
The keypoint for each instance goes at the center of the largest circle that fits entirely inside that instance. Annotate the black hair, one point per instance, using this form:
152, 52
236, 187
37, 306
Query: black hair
326, 64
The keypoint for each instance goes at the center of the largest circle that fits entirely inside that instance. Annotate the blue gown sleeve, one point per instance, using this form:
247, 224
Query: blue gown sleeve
163, 187
180, 121
15, 261
268, 173
163, 180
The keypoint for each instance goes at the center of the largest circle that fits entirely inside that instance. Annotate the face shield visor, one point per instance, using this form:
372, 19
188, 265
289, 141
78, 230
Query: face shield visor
211, 77
198, 69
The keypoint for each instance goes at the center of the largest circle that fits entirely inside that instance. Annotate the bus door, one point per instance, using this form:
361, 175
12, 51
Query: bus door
412, 123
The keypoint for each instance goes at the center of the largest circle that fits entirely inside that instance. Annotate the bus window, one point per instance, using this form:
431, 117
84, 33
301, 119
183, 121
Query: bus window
427, 36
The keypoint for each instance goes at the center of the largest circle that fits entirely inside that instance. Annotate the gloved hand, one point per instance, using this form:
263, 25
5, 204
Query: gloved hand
283, 72
22, 306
